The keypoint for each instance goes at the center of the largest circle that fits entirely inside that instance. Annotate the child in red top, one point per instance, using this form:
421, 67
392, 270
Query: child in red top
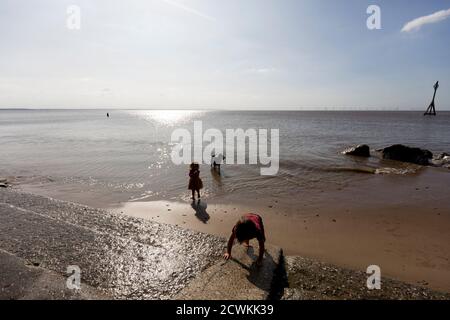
250, 226
195, 183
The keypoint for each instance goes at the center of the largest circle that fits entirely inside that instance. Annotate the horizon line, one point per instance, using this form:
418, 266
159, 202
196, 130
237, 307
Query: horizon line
230, 109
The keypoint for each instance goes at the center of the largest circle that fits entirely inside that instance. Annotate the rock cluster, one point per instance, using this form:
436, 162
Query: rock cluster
396, 152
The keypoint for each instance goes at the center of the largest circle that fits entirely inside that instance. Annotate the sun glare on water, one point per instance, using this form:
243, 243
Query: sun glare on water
166, 117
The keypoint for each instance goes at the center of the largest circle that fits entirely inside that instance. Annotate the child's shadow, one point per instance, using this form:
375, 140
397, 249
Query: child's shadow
251, 253
259, 274
200, 210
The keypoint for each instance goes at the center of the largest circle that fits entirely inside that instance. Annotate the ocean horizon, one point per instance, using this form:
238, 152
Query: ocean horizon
128, 154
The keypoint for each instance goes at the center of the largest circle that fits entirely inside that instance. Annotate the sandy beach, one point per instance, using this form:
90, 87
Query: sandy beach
402, 226
123, 257
399, 223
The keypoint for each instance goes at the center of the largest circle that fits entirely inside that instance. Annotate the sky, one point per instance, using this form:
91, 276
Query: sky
215, 54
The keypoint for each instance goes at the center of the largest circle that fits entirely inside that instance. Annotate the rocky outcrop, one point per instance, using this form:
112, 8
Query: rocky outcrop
403, 153
361, 150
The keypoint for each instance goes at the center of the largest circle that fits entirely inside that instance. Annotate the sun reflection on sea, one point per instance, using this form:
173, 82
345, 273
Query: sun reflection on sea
166, 117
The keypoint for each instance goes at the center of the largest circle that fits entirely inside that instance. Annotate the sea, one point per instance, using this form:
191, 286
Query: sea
127, 156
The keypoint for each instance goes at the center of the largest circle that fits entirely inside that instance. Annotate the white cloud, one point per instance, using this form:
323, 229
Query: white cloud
416, 24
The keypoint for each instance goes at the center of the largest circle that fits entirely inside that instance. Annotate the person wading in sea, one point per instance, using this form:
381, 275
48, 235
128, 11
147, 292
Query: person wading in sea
195, 183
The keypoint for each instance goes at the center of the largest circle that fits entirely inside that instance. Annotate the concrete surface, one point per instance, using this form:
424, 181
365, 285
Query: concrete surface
20, 280
120, 256
236, 279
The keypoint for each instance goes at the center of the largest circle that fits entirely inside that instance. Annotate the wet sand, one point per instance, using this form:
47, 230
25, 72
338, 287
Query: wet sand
400, 223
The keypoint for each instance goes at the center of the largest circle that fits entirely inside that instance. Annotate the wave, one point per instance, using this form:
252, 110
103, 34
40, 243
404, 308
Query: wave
398, 171
442, 162
322, 166
370, 170
356, 169
366, 170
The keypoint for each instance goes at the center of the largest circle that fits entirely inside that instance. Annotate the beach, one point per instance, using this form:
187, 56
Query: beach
122, 257
400, 226
398, 223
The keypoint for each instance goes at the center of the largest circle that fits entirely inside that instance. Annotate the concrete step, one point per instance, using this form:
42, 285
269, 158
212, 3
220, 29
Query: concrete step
124, 257
236, 279
19, 280
120, 256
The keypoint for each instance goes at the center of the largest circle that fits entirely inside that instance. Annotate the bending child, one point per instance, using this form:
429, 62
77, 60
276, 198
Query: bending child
248, 227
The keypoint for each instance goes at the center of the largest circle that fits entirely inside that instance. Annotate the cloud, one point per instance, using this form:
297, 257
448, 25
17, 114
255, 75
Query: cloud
416, 24
190, 10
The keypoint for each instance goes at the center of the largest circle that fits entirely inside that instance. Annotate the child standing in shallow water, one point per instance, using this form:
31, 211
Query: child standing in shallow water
195, 183
248, 227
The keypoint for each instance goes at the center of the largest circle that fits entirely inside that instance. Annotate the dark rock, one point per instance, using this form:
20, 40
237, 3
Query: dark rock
361, 150
407, 154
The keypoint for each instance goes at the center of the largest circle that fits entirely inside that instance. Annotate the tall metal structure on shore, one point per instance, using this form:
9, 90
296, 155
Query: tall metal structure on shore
431, 111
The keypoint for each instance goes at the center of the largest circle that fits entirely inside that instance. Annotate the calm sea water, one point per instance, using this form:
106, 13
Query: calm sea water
128, 154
